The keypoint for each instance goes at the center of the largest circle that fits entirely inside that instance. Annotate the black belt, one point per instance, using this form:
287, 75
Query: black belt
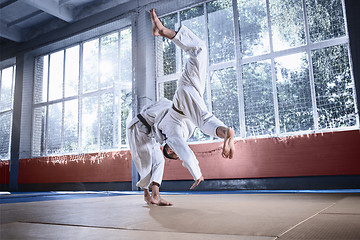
142, 119
177, 110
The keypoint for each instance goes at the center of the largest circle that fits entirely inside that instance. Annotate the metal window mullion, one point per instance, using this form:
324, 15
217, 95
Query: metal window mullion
12, 87
95, 93
311, 70
208, 84
273, 72
134, 99
116, 92
41, 104
63, 106
168, 78
80, 90
222, 65
351, 65
6, 111
157, 88
294, 50
99, 96
11, 108
327, 43
32, 111
178, 50
47, 109
238, 56
275, 99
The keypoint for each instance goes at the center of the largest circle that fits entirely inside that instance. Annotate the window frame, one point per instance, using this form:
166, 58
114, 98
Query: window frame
239, 62
79, 40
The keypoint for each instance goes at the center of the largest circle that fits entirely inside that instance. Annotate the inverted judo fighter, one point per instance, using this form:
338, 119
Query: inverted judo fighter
174, 122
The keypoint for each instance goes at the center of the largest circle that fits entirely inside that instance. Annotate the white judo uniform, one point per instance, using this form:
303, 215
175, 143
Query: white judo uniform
145, 145
189, 103
174, 122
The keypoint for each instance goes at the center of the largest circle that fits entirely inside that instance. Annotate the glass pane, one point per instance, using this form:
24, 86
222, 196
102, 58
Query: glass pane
166, 49
294, 95
90, 65
326, 19
56, 75
254, 30
258, 99
54, 128
5, 135
221, 31
71, 126
38, 132
224, 97
6, 94
72, 71
109, 60
89, 125
333, 87
194, 19
41, 79
167, 89
126, 87
126, 59
107, 119
287, 19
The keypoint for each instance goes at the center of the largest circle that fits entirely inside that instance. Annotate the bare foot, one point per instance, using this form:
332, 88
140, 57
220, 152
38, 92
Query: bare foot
160, 201
158, 28
157, 25
229, 147
147, 196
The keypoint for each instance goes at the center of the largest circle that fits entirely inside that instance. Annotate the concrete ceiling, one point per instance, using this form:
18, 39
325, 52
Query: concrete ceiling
23, 20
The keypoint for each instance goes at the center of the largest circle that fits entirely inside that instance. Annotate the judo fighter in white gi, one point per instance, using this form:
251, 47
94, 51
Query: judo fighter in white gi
188, 102
144, 140
174, 122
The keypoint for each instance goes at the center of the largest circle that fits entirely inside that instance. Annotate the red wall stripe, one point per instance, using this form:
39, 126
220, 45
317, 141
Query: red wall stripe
333, 153
4, 172
97, 167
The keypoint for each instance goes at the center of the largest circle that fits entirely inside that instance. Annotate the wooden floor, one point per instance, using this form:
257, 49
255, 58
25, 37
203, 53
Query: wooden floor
117, 215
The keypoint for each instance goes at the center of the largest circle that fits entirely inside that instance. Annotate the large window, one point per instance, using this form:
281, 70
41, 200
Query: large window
7, 79
275, 67
82, 96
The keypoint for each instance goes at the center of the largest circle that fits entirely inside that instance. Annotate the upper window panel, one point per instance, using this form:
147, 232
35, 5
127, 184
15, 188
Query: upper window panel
56, 73
287, 24
82, 96
6, 88
72, 61
326, 19
221, 31
167, 49
254, 28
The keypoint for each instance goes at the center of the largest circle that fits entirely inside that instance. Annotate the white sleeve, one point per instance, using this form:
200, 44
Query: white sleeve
181, 148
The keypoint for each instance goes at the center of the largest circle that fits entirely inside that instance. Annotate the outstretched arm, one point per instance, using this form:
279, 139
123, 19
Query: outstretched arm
187, 156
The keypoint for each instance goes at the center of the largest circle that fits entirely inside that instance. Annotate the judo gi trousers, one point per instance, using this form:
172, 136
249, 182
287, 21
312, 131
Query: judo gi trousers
146, 155
188, 97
